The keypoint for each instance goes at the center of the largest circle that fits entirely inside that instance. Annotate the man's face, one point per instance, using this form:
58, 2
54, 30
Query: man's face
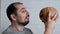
22, 17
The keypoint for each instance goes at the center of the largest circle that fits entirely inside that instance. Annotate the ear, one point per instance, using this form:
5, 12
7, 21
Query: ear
13, 17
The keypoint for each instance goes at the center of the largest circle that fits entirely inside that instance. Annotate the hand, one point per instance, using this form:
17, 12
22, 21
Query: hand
50, 24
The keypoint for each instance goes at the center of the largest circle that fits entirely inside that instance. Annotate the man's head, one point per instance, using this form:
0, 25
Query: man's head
44, 13
17, 12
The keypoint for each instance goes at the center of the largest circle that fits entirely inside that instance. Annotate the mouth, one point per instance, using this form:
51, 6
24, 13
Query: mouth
27, 17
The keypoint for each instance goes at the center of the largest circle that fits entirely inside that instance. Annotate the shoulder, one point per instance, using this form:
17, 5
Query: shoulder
7, 31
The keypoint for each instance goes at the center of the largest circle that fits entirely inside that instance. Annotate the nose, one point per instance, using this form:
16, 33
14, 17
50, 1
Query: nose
27, 13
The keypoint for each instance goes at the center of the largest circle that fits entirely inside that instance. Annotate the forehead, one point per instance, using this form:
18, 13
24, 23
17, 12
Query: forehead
19, 6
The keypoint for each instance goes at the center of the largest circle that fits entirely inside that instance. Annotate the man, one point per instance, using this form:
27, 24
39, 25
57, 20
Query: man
19, 17
49, 16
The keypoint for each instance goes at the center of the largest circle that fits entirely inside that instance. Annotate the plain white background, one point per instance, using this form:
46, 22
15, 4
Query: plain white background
34, 7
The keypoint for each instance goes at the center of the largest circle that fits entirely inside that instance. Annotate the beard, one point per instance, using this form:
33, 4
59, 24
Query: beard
23, 23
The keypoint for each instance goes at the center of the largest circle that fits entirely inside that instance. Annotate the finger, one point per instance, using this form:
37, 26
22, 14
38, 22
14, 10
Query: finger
49, 18
54, 17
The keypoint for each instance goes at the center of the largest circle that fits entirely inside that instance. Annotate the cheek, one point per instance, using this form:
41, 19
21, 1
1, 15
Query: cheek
21, 17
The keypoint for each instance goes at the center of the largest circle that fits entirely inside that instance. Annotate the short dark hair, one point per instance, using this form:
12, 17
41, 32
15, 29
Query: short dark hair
11, 9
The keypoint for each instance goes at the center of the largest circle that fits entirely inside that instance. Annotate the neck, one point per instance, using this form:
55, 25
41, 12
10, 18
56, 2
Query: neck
16, 26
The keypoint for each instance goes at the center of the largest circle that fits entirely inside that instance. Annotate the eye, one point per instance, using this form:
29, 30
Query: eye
23, 11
